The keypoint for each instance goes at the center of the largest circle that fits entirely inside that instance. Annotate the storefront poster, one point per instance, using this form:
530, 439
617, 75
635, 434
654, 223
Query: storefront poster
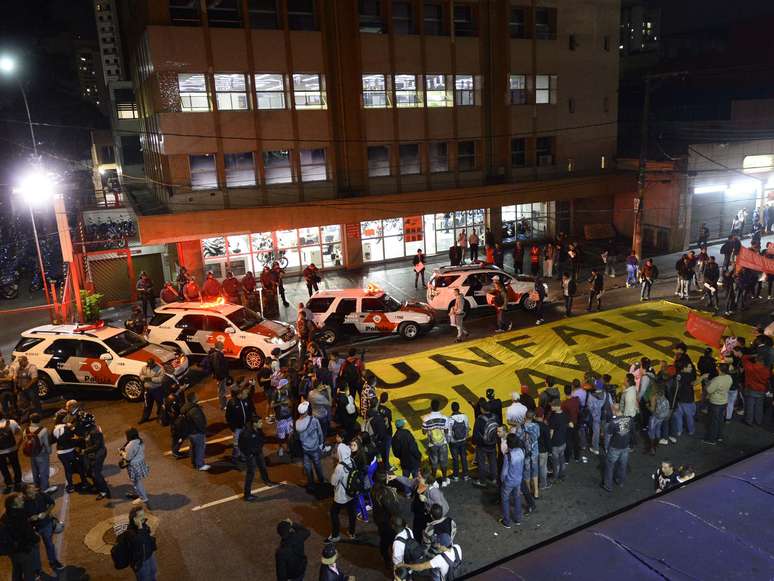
608, 342
353, 231
412, 228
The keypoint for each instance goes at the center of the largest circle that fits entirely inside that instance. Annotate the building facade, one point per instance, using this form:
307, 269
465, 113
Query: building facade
343, 132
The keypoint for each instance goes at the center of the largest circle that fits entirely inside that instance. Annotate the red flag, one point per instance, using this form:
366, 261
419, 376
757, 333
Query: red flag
705, 330
750, 259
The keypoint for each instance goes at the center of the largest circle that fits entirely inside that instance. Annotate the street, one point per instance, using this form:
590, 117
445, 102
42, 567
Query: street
206, 531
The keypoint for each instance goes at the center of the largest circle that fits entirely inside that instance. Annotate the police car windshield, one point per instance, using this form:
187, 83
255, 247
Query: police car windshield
126, 343
245, 318
390, 304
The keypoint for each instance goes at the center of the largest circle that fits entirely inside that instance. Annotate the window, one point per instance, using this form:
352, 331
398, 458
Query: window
204, 175
231, 92
191, 322
184, 12
301, 15
571, 104
518, 22
544, 151
27, 343
372, 305
403, 17
158, 319
464, 90
91, 350
270, 91
432, 19
545, 89
371, 16
375, 92
194, 95
263, 14
545, 23
308, 91
378, 160
438, 153
346, 306
313, 166
224, 13
217, 324
406, 94
518, 88
131, 151
464, 20
276, 167
63, 349
466, 155
437, 91
320, 305
518, 152
240, 169
409, 158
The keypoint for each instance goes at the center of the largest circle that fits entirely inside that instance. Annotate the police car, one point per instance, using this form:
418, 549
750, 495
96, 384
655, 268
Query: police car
194, 328
474, 281
368, 311
94, 355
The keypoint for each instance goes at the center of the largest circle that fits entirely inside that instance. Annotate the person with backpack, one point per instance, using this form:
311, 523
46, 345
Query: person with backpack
439, 524
660, 411
447, 562
405, 548
94, 455
133, 459
569, 288
39, 506
435, 426
598, 403
344, 491
405, 448
717, 396
251, 441
290, 557
193, 423
459, 428
385, 503
686, 407
311, 437
136, 547
485, 441
511, 477
239, 412
10, 433
544, 449
21, 538
618, 435
321, 401
36, 445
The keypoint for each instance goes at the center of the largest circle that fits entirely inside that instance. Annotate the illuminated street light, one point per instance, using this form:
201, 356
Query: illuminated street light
7, 64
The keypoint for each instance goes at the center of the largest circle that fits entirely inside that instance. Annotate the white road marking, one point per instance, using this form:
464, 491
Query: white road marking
63, 510
235, 497
208, 400
214, 441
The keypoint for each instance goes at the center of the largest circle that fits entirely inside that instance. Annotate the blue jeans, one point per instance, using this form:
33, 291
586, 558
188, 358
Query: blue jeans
148, 570
197, 449
732, 395
439, 458
459, 457
68, 463
46, 532
235, 453
683, 412
631, 274
510, 494
656, 429
385, 450
312, 466
40, 470
617, 460
595, 427
557, 459
753, 407
139, 489
542, 469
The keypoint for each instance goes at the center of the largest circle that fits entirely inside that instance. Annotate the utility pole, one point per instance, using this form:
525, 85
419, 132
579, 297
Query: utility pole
643, 162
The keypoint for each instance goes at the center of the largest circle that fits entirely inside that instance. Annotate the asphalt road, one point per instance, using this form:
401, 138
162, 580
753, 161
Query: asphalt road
205, 531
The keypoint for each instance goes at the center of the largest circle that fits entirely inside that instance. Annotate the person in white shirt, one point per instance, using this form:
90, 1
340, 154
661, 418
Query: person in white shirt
9, 453
457, 316
459, 430
516, 412
448, 555
403, 536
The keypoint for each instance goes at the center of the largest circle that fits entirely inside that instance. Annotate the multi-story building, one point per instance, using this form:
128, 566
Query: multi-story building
109, 40
87, 66
343, 133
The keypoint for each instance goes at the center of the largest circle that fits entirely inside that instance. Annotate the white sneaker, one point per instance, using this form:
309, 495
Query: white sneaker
444, 483
204, 468
138, 501
51, 489
280, 452
673, 439
663, 442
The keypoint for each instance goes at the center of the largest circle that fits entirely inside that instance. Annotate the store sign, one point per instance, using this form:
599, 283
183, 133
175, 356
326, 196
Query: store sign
353, 231
412, 228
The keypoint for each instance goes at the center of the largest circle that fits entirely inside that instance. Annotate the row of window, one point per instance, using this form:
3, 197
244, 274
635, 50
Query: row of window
540, 89
262, 14
384, 91
544, 152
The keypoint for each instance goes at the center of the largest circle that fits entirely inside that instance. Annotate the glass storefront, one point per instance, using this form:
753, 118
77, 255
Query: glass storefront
525, 221
433, 233
295, 249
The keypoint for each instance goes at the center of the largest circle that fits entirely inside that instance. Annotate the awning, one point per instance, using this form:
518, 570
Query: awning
179, 227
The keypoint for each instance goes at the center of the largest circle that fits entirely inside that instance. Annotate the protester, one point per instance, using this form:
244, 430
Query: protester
717, 395
341, 497
632, 263
665, 476
23, 542
516, 412
571, 408
310, 435
66, 443
39, 507
448, 556
141, 545
94, 455
290, 557
195, 429
599, 404
511, 478
329, 570
250, 443
558, 424
648, 275
457, 315
239, 413
36, 445
10, 433
440, 524
133, 459
219, 367
684, 413
485, 442
618, 433
435, 426
499, 299
405, 449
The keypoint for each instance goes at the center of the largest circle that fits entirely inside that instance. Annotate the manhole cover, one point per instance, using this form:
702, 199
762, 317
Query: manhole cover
103, 536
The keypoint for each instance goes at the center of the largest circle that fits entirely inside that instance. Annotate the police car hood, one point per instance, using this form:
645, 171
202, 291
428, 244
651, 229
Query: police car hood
270, 329
157, 352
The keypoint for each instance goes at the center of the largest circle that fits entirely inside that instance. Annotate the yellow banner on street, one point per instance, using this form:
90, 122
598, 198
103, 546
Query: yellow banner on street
604, 342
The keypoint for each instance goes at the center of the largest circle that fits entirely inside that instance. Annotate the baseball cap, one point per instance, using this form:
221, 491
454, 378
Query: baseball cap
303, 407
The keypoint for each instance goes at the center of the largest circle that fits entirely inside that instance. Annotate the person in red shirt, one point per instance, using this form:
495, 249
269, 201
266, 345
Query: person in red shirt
210, 288
169, 293
571, 407
756, 382
191, 290
534, 259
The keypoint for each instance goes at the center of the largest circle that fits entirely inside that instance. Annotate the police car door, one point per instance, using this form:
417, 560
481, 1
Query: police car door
192, 337
479, 285
62, 361
92, 368
219, 329
372, 317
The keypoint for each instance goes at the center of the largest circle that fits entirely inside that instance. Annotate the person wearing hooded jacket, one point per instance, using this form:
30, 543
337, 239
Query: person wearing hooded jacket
597, 399
341, 500
405, 448
312, 441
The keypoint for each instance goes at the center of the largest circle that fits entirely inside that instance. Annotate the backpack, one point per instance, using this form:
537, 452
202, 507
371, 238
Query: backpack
120, 552
455, 566
436, 437
662, 408
459, 431
7, 439
413, 552
489, 433
354, 484
31, 445
584, 416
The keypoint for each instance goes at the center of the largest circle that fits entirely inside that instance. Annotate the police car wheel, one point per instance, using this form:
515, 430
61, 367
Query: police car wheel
131, 388
327, 335
45, 386
252, 358
527, 303
409, 330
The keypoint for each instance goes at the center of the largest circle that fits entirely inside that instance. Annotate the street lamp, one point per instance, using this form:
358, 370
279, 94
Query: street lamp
8, 68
